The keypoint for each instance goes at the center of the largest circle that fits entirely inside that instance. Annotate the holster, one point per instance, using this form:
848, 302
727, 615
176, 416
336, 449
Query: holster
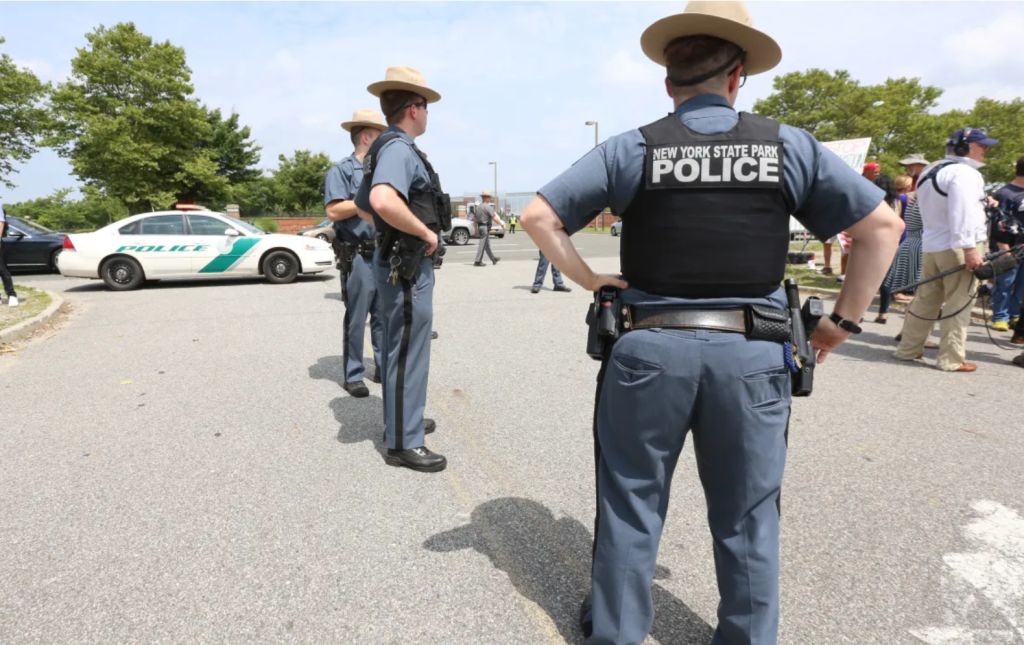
345, 252
403, 252
604, 321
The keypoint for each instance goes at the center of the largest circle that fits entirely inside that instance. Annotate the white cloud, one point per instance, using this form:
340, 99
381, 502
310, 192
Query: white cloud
629, 69
42, 69
983, 48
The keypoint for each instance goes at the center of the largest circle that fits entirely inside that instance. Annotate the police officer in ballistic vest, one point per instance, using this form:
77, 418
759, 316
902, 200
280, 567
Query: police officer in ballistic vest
402, 194
354, 243
705, 195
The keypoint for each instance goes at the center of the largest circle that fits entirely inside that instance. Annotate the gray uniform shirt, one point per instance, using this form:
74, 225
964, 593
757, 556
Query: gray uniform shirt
827, 194
398, 166
342, 182
484, 213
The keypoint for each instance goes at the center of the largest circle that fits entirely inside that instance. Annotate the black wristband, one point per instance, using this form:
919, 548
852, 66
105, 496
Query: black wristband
844, 324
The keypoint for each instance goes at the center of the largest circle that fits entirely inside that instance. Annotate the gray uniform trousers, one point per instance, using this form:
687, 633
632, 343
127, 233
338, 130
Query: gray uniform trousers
485, 242
734, 394
542, 271
407, 310
359, 293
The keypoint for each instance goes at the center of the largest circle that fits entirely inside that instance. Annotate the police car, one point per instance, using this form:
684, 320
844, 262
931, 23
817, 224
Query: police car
194, 244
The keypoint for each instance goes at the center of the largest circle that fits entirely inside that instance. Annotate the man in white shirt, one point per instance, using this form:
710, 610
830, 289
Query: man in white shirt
5, 276
951, 194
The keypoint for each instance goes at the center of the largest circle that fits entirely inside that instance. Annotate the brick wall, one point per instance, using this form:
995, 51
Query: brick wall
292, 225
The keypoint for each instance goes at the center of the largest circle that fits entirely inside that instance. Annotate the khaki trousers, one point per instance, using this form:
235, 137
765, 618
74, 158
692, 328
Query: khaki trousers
948, 295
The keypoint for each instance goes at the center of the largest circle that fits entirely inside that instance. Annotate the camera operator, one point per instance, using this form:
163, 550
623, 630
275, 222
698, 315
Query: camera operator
1009, 287
952, 199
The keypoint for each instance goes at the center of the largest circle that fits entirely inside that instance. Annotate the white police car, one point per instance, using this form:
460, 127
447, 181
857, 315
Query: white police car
193, 244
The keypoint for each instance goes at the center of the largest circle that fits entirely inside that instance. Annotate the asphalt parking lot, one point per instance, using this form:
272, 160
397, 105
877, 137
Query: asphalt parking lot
179, 464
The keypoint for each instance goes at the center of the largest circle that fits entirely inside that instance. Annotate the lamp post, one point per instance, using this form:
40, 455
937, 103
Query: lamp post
593, 123
497, 202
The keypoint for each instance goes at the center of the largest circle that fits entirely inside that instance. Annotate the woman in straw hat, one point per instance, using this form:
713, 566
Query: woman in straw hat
402, 194
355, 239
688, 198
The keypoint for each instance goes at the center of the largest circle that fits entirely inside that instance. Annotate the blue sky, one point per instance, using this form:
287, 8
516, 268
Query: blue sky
518, 80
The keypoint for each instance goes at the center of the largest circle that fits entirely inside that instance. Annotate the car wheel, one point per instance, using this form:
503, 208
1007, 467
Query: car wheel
54, 260
322, 237
499, 235
460, 237
281, 267
122, 274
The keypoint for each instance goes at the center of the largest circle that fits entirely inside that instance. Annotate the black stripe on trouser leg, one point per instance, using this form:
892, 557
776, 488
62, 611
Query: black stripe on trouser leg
403, 356
785, 438
344, 332
597, 454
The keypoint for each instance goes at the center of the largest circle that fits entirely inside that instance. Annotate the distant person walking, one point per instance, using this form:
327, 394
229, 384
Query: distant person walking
485, 215
512, 224
5, 275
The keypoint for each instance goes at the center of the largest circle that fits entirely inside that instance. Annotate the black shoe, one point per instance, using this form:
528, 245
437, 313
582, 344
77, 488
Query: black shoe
496, 260
420, 459
433, 335
586, 625
562, 287
535, 290
357, 389
479, 264
376, 377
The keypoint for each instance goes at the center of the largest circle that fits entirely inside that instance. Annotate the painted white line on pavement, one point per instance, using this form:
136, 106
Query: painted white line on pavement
995, 570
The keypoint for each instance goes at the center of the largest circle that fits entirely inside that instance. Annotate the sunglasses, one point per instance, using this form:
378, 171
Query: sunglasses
421, 104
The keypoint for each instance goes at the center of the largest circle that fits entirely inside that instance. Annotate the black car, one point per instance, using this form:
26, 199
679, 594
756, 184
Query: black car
28, 245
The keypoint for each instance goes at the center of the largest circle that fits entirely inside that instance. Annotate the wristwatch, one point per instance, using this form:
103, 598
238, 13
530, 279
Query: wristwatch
844, 324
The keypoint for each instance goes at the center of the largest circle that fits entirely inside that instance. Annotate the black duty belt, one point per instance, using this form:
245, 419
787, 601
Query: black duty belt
755, 321
734, 320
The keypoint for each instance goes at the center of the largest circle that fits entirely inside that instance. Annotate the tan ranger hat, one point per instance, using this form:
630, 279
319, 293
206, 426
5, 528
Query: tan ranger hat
486, 193
365, 119
401, 77
726, 20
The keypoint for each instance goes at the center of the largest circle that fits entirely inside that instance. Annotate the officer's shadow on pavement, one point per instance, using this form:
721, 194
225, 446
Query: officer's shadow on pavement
547, 560
360, 419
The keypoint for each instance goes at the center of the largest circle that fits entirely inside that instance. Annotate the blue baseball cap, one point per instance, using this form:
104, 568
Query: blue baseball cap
973, 136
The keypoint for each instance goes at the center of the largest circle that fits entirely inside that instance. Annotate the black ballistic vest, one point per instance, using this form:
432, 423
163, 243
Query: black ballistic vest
431, 206
711, 217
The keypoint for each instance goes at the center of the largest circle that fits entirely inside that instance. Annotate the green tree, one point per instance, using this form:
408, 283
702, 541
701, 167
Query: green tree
22, 119
228, 145
301, 179
261, 196
834, 106
57, 211
1003, 121
128, 122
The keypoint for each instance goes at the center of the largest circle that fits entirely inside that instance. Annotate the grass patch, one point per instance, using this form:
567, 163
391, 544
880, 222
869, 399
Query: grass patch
32, 302
808, 278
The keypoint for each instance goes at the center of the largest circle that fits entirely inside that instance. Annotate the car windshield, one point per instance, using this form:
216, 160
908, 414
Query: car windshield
249, 228
324, 223
32, 227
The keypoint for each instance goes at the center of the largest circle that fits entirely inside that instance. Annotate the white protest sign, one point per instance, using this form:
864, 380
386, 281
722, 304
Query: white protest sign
852, 151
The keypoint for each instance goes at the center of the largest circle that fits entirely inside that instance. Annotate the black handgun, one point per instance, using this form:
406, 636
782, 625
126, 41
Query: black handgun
804, 321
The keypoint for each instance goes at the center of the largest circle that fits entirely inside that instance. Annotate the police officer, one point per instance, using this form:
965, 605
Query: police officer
705, 195
355, 243
403, 196
485, 216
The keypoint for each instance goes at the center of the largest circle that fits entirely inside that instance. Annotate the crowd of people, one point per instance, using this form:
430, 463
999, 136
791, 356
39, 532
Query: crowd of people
943, 207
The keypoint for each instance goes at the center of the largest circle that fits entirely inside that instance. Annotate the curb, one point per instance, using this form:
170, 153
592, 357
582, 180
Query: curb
25, 328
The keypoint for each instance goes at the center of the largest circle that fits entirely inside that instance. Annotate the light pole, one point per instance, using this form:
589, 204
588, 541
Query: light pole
497, 202
593, 123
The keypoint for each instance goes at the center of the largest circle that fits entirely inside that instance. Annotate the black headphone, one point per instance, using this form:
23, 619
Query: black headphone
961, 146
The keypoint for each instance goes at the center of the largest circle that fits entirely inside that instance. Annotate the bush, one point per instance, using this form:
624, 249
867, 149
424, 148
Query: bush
266, 225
